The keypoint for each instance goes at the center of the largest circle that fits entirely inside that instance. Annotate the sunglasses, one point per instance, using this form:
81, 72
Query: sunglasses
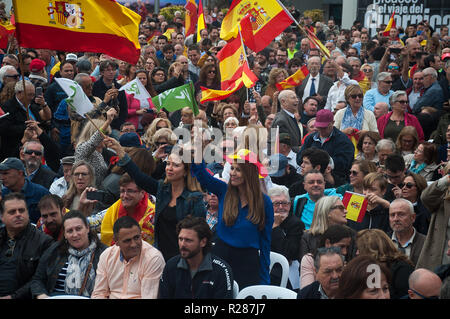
367, 70
353, 173
212, 72
30, 152
409, 185
354, 96
388, 82
15, 76
422, 296
392, 67
402, 101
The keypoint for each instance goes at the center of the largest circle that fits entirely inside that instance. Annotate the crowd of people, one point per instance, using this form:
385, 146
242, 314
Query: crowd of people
117, 205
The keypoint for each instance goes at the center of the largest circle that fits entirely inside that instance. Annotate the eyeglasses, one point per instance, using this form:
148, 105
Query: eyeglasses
354, 173
402, 101
80, 174
11, 246
409, 185
393, 67
129, 191
15, 76
354, 96
422, 296
275, 204
325, 250
30, 152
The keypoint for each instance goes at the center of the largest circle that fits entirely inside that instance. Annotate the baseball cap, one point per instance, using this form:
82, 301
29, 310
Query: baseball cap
37, 65
71, 57
12, 163
323, 118
285, 138
130, 140
445, 56
278, 163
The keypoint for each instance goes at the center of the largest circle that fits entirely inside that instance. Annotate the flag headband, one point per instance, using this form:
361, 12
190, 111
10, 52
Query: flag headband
249, 157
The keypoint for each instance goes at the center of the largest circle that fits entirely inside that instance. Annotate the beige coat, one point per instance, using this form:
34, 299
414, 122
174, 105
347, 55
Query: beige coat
435, 244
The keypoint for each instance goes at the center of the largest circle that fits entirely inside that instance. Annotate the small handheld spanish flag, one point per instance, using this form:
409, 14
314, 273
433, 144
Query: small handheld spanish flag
356, 205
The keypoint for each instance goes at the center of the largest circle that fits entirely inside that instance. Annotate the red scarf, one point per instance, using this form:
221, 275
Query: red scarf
139, 210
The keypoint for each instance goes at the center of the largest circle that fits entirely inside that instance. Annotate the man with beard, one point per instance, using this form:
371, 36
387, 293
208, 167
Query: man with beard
32, 154
131, 268
52, 210
195, 272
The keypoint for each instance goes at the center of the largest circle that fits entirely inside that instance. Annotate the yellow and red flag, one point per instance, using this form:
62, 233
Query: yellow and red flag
356, 205
201, 20
234, 71
248, 156
294, 80
317, 43
7, 28
102, 26
268, 19
190, 18
391, 24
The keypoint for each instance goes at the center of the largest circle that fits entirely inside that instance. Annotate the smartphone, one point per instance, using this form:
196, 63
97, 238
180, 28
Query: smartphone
39, 91
168, 149
96, 195
395, 50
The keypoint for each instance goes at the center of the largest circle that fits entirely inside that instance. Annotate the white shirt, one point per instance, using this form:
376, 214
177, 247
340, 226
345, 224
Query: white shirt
308, 86
59, 187
336, 92
292, 160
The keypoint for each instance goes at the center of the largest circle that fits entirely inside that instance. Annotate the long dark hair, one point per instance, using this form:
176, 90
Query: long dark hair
149, 86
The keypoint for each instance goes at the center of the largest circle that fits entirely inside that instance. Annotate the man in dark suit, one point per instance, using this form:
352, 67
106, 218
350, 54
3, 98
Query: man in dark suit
315, 84
401, 219
286, 120
328, 264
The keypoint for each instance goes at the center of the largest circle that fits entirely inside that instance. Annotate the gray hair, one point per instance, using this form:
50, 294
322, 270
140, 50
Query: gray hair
395, 95
4, 69
329, 251
79, 77
19, 86
353, 58
313, 57
430, 71
25, 145
231, 119
406, 202
283, 94
383, 76
385, 143
279, 190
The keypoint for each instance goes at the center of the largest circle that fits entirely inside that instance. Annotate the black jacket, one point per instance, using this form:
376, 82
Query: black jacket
310, 292
375, 218
44, 177
31, 243
213, 280
50, 265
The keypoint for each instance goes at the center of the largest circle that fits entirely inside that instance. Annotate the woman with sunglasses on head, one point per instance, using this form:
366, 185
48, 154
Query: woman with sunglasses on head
355, 118
391, 124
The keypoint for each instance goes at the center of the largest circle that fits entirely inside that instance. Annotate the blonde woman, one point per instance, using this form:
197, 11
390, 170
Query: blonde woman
157, 123
276, 75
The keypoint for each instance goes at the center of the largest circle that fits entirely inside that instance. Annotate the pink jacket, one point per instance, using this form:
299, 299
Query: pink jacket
133, 106
410, 120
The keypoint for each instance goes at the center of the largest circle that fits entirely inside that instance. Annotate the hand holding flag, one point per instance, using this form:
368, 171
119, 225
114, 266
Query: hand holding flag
136, 88
77, 100
356, 205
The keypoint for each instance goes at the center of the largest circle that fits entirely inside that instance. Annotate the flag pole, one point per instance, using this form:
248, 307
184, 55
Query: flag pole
92, 122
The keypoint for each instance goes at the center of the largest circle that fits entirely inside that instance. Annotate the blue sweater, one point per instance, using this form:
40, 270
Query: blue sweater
243, 233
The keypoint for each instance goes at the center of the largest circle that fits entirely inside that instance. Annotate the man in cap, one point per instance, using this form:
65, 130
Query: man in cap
12, 176
286, 150
281, 172
334, 142
59, 187
37, 73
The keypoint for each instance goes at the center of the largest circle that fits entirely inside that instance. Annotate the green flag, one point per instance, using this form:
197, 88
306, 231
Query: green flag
177, 98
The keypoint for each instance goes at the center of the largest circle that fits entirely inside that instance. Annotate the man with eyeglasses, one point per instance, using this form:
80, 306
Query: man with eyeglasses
328, 264
13, 178
32, 154
424, 284
21, 246
287, 230
133, 202
401, 219
382, 93
8, 74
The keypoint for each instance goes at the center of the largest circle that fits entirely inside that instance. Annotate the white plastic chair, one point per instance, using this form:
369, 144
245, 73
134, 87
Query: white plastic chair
280, 259
235, 289
266, 292
67, 297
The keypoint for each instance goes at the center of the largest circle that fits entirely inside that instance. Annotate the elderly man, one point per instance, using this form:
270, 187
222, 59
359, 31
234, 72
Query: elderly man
8, 74
404, 235
286, 120
287, 230
433, 95
131, 268
328, 264
12, 127
59, 187
384, 148
22, 245
381, 93
424, 284
315, 84
380, 109
416, 90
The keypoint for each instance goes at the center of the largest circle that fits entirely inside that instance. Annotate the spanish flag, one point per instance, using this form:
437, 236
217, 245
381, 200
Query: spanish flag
102, 26
268, 19
6, 29
317, 43
190, 17
294, 80
391, 24
201, 20
356, 205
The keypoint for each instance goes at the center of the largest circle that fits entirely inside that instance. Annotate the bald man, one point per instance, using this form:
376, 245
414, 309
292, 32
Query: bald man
424, 284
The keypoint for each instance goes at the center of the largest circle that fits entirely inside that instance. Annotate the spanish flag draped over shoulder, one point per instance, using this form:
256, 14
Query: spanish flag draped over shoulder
201, 20
267, 19
102, 26
391, 24
190, 19
234, 71
294, 80
7, 28
356, 205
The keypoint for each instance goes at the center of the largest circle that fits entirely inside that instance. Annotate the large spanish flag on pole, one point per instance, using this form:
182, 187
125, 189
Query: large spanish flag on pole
391, 24
102, 26
190, 19
201, 21
268, 19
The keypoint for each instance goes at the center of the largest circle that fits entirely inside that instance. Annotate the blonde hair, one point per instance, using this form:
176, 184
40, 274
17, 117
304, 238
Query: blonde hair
320, 222
89, 130
151, 130
164, 132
